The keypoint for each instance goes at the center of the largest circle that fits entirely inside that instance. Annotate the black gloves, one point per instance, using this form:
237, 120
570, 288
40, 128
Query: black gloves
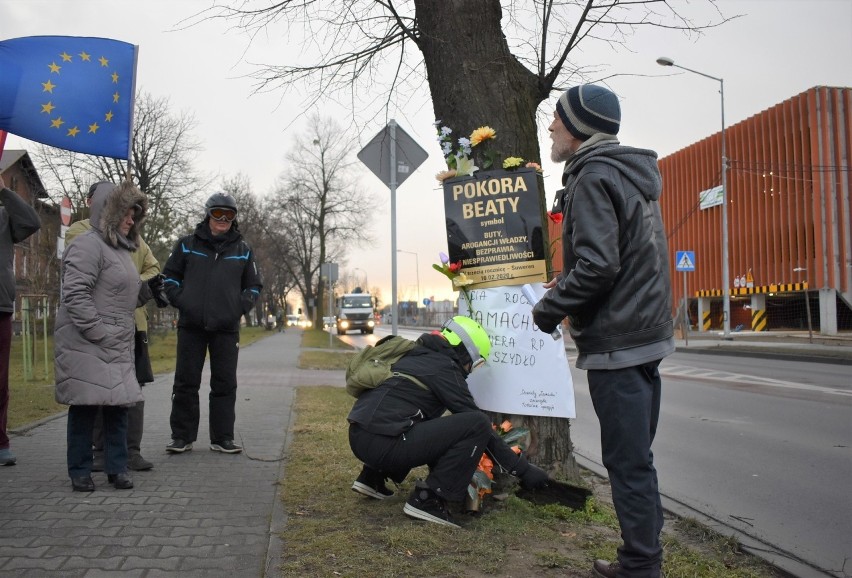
247, 300
532, 477
158, 290
540, 322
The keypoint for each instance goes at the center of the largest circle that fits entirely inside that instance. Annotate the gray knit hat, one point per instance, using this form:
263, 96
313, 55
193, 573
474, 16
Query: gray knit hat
589, 109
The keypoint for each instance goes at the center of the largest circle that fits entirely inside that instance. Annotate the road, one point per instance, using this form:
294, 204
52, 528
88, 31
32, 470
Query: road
762, 447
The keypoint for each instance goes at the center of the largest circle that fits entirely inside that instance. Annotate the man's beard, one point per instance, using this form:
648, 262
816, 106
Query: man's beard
560, 154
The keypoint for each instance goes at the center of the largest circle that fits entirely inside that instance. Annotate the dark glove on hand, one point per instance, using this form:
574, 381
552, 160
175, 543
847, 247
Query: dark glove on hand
532, 477
247, 301
158, 290
544, 325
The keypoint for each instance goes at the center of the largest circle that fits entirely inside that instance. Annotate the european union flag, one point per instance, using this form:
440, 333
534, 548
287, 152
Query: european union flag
69, 92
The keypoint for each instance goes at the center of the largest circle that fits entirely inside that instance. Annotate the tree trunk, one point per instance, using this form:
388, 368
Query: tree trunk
474, 80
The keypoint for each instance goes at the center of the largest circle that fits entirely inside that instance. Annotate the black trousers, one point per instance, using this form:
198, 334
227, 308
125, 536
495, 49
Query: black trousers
81, 421
451, 446
192, 348
135, 413
135, 426
627, 403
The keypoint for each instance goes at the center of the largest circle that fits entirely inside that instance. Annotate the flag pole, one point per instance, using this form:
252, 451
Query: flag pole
129, 174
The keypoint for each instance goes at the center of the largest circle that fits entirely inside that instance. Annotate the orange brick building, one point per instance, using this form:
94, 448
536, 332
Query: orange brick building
788, 211
789, 220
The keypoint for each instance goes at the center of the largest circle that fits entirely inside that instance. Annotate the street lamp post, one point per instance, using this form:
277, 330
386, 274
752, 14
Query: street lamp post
366, 283
417, 267
726, 295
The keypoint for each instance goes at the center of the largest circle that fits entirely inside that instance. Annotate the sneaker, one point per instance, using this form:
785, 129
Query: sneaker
424, 504
7, 458
372, 484
604, 569
137, 463
226, 447
178, 446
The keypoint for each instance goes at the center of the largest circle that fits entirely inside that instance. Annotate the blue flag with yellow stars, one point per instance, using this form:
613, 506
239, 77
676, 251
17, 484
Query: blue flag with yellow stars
69, 92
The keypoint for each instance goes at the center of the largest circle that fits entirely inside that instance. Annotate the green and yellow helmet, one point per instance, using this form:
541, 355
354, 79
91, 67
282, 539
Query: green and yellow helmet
466, 331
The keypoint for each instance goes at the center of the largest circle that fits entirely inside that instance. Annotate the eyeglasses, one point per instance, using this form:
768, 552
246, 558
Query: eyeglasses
220, 214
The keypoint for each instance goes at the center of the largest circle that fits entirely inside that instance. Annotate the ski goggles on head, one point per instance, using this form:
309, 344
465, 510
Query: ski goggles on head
221, 214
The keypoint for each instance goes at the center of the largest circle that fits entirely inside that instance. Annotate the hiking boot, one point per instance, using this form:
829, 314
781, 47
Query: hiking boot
226, 447
121, 481
604, 569
83, 484
98, 461
178, 446
424, 504
138, 464
372, 484
7, 458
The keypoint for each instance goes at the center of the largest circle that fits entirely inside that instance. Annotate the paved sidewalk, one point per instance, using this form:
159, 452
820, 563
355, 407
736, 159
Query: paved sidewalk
200, 513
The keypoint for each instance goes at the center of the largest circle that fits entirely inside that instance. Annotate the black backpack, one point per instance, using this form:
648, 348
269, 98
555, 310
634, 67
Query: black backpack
372, 365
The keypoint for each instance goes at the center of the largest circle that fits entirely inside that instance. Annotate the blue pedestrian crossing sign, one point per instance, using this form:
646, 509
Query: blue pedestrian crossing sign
685, 261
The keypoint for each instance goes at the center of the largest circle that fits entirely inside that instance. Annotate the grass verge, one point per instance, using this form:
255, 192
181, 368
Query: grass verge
332, 531
33, 399
318, 354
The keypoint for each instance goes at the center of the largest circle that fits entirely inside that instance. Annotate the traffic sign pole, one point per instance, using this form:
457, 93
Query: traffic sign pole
404, 155
392, 185
685, 261
685, 313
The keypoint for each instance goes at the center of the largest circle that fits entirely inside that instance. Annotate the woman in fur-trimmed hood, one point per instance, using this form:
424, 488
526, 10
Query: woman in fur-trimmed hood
93, 338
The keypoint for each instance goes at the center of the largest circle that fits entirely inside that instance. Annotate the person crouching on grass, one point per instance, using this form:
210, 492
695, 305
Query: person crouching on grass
400, 425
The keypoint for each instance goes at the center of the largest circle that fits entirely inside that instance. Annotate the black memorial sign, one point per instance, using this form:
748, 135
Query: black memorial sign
494, 227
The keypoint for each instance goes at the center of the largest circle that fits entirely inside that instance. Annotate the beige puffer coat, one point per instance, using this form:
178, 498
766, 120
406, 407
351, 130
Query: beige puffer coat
93, 338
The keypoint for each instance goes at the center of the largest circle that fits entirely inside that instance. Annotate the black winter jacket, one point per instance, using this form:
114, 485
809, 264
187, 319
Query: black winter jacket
213, 281
398, 404
614, 286
18, 220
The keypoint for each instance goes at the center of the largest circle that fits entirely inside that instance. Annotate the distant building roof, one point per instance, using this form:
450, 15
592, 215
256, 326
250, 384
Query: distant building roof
11, 157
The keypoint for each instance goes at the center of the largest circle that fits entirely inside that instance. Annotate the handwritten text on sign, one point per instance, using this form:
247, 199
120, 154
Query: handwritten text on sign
527, 371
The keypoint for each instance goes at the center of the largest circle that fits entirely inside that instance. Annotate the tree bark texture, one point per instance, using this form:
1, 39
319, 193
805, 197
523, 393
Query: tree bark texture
474, 79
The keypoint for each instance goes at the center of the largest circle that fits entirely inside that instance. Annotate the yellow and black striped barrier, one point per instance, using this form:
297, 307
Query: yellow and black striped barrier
706, 321
758, 320
772, 288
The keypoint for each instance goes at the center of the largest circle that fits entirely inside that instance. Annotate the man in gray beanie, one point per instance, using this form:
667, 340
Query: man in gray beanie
614, 289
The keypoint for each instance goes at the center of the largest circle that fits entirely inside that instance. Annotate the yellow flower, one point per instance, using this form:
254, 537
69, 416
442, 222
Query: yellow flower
512, 162
461, 280
444, 175
483, 133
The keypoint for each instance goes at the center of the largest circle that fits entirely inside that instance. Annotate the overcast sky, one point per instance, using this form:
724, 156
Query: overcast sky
775, 50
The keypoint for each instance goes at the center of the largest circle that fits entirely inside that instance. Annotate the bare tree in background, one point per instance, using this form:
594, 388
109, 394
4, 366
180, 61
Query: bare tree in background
163, 152
486, 62
319, 208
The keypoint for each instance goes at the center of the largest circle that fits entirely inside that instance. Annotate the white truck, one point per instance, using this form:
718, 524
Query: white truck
355, 311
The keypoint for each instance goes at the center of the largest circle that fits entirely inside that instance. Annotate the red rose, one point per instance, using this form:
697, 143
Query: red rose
455, 267
555, 217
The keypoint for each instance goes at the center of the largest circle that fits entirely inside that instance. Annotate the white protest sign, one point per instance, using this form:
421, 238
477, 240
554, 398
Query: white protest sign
527, 371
